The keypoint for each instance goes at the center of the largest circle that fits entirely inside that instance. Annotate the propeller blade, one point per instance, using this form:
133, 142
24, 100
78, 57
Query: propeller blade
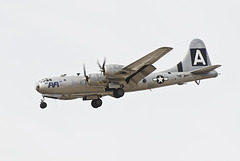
102, 67
99, 64
84, 70
85, 73
104, 62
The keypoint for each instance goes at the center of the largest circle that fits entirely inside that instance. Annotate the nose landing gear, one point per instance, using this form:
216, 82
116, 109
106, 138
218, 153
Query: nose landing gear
43, 104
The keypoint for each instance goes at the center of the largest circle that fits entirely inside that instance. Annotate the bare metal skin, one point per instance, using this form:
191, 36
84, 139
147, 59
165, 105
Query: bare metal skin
115, 80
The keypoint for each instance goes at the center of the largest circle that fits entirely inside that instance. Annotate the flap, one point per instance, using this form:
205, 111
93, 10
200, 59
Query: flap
140, 74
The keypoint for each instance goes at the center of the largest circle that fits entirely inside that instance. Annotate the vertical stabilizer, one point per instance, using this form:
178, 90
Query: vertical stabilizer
197, 57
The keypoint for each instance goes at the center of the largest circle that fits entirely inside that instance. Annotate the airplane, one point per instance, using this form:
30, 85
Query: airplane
114, 80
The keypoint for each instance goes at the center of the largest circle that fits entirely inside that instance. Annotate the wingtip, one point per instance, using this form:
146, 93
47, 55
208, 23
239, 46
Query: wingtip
168, 48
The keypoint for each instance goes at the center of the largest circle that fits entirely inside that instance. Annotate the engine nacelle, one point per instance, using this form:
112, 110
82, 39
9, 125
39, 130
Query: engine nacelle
97, 79
112, 69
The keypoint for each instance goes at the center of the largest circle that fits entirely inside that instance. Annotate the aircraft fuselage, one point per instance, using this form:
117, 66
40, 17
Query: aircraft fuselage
71, 87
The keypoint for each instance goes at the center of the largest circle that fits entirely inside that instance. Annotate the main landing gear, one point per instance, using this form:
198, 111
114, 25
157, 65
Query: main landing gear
117, 93
96, 103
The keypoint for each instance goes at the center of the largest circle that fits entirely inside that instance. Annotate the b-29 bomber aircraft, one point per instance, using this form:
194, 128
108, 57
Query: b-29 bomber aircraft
114, 80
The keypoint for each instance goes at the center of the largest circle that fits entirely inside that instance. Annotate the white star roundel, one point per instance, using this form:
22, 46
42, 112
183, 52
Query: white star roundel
160, 79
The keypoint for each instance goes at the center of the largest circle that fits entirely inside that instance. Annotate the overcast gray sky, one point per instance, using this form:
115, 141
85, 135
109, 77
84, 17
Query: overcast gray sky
46, 38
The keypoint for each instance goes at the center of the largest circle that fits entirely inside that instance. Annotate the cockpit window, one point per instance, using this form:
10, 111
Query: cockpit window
45, 80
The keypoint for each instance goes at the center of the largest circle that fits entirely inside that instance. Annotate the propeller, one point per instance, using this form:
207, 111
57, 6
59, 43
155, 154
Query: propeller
85, 73
102, 67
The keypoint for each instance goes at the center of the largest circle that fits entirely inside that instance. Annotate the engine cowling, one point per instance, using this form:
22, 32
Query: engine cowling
96, 79
112, 69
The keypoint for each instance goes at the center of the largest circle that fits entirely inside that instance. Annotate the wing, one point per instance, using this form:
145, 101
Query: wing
148, 59
139, 69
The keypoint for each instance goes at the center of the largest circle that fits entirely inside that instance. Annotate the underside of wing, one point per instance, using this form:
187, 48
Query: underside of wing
140, 74
148, 59
141, 68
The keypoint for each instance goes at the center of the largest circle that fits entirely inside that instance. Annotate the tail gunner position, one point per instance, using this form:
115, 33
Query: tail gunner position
114, 80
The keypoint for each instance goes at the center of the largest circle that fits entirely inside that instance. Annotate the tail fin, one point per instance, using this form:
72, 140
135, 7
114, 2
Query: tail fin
196, 58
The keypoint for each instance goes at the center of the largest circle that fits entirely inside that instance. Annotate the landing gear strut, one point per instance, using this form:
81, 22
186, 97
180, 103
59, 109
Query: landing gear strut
96, 103
43, 104
197, 82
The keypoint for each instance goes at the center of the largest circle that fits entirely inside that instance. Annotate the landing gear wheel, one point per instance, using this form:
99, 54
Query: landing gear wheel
96, 103
117, 93
43, 105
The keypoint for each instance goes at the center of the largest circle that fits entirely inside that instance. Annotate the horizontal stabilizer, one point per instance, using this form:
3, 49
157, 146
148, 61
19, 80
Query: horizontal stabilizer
205, 70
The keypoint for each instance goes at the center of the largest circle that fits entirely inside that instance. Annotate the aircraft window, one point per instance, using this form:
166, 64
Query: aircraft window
144, 80
64, 79
50, 79
45, 80
169, 72
63, 75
